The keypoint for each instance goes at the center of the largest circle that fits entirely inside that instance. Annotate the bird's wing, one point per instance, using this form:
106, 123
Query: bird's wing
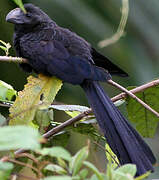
104, 62
52, 58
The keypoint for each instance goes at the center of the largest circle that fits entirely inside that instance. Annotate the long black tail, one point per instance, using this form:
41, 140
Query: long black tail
123, 139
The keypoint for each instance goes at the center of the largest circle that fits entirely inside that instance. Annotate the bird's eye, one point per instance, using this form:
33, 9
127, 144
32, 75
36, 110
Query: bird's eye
28, 15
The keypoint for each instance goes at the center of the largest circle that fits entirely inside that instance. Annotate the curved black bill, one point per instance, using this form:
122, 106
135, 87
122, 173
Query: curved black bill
14, 16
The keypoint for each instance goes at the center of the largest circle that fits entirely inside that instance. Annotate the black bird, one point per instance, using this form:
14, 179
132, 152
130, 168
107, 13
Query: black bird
56, 51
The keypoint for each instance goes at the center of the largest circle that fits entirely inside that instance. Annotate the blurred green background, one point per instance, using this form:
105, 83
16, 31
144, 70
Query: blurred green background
137, 52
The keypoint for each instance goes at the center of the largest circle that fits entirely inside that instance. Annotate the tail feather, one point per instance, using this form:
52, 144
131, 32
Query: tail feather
123, 139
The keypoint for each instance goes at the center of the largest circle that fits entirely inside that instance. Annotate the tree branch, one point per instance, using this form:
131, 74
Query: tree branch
136, 90
13, 59
133, 96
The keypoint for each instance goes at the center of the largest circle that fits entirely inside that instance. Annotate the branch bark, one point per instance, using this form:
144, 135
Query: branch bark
134, 97
136, 90
13, 59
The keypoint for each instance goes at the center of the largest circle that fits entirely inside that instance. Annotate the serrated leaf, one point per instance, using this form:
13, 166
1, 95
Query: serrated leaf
28, 100
144, 121
58, 178
5, 170
55, 168
3, 120
20, 4
15, 137
77, 160
127, 169
6, 91
94, 169
57, 152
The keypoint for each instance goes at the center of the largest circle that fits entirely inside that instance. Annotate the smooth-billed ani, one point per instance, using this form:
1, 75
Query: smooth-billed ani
56, 51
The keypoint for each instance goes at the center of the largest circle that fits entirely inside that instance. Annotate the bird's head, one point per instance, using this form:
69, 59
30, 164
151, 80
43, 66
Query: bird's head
33, 16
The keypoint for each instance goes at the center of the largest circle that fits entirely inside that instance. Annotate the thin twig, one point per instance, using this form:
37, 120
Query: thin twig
30, 156
66, 123
133, 96
13, 59
136, 90
23, 164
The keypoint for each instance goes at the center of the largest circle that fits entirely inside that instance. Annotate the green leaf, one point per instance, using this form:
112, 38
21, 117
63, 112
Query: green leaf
5, 170
77, 160
42, 119
62, 163
41, 90
122, 176
128, 169
144, 121
4, 43
3, 48
112, 158
3, 120
20, 4
144, 176
58, 178
15, 137
60, 139
7, 92
94, 169
86, 128
55, 168
57, 152
83, 173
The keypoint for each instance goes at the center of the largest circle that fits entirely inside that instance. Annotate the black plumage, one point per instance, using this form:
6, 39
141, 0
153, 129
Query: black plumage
56, 51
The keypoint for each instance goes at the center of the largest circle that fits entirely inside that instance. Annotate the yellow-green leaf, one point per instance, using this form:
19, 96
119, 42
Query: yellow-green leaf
20, 4
112, 158
38, 92
7, 93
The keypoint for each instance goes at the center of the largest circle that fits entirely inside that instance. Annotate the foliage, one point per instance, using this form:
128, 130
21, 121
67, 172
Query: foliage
53, 162
60, 164
144, 121
5, 47
7, 93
